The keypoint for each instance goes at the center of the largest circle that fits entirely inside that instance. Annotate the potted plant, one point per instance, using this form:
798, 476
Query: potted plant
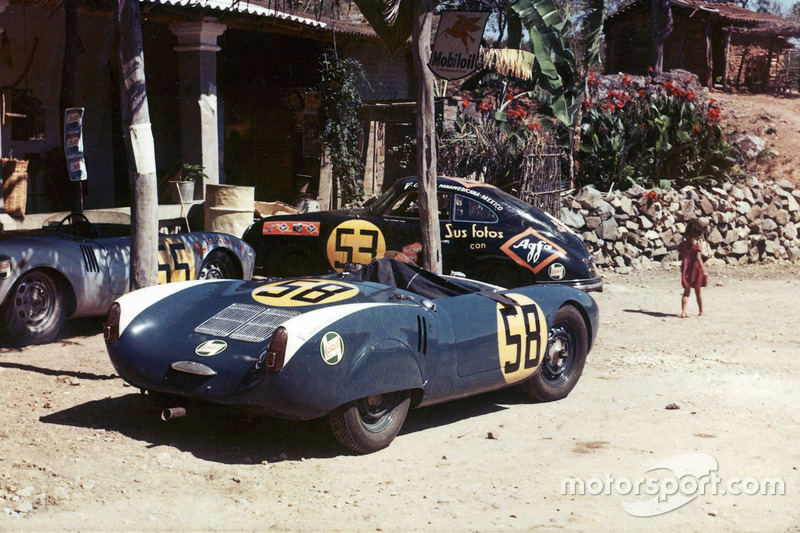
182, 181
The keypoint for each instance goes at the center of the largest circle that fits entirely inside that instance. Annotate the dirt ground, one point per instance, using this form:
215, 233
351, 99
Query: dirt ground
776, 119
80, 451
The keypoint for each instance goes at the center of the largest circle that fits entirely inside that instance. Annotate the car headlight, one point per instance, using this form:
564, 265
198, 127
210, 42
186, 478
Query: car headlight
6, 267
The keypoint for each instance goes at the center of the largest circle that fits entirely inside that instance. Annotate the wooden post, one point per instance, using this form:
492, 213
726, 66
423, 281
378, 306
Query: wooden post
726, 65
709, 57
426, 141
144, 211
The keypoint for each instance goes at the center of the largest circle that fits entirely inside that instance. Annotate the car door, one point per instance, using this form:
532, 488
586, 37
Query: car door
501, 338
401, 220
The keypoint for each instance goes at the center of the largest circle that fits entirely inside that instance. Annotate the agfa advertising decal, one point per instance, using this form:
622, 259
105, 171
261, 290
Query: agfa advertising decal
455, 52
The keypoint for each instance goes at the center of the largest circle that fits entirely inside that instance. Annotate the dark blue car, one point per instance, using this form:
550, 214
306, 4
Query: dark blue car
359, 348
486, 234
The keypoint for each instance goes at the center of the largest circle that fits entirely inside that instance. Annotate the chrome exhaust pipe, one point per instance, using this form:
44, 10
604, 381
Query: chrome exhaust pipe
172, 412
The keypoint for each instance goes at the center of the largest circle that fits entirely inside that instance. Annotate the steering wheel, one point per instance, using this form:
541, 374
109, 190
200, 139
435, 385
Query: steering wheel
80, 225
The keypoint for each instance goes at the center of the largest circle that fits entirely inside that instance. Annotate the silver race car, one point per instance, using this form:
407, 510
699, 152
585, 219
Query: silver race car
75, 268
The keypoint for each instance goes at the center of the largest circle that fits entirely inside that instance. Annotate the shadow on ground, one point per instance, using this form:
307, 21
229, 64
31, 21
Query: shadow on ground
229, 436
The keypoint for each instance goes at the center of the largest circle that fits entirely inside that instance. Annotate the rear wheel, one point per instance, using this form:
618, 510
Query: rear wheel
370, 424
218, 265
35, 310
567, 346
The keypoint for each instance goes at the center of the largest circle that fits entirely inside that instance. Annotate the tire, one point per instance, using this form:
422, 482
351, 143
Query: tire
218, 265
370, 424
35, 309
567, 346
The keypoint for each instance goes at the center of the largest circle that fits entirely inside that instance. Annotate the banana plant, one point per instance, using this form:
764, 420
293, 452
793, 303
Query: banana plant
557, 72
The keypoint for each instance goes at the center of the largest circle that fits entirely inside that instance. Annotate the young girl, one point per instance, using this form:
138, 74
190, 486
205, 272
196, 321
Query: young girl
693, 271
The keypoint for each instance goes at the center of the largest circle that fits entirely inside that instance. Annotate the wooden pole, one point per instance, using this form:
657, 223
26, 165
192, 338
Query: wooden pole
144, 211
726, 64
426, 141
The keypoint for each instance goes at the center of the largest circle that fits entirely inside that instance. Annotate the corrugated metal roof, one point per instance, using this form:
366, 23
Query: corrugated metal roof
241, 6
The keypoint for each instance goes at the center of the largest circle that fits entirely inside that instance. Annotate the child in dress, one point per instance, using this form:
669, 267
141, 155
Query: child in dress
693, 270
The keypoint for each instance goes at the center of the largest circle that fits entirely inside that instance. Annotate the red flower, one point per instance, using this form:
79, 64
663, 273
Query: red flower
642, 92
690, 95
592, 80
650, 70
713, 115
464, 102
626, 80
696, 128
484, 106
534, 126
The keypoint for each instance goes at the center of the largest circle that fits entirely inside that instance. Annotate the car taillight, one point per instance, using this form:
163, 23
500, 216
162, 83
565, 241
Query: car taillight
6, 267
277, 349
111, 324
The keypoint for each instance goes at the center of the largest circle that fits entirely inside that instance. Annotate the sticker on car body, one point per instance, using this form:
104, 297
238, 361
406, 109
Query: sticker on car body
176, 262
290, 227
354, 241
331, 348
532, 250
521, 338
211, 348
302, 292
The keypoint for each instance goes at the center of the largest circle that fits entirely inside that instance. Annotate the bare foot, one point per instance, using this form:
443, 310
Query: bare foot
701, 314
684, 315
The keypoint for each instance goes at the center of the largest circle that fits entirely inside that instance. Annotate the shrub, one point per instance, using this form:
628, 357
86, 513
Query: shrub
655, 137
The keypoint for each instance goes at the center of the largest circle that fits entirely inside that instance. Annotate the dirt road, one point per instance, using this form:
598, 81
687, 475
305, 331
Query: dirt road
80, 451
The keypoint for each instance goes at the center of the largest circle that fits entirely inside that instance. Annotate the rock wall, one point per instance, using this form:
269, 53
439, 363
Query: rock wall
750, 222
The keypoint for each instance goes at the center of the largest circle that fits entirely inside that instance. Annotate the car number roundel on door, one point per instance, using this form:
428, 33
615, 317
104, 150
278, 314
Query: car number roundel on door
354, 241
521, 338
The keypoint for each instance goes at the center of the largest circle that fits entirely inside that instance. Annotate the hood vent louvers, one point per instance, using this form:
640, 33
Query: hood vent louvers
245, 322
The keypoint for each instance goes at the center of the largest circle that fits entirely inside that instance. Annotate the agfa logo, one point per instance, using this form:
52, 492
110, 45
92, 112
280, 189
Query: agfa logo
532, 250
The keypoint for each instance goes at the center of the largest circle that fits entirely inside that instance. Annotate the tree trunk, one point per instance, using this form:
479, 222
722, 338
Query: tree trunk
662, 27
66, 98
144, 211
426, 141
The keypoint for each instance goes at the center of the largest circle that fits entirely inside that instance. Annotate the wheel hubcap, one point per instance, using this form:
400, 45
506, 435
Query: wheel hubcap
33, 302
377, 411
212, 271
559, 359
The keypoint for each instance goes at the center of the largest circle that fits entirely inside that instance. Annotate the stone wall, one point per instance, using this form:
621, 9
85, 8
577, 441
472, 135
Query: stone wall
751, 222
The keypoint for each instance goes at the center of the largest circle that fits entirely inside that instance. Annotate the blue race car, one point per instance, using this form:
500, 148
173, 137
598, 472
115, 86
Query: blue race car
359, 348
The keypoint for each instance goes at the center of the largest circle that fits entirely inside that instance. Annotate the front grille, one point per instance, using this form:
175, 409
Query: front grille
245, 322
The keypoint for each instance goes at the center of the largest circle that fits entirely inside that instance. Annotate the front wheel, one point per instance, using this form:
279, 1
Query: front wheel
567, 346
370, 424
35, 310
218, 265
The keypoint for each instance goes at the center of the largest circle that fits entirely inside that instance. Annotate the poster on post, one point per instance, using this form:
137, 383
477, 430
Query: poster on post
73, 143
456, 49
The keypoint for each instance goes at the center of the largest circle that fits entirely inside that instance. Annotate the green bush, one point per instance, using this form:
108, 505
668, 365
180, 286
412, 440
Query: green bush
655, 137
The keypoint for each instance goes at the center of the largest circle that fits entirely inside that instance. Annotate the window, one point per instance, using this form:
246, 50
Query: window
407, 206
27, 118
469, 210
